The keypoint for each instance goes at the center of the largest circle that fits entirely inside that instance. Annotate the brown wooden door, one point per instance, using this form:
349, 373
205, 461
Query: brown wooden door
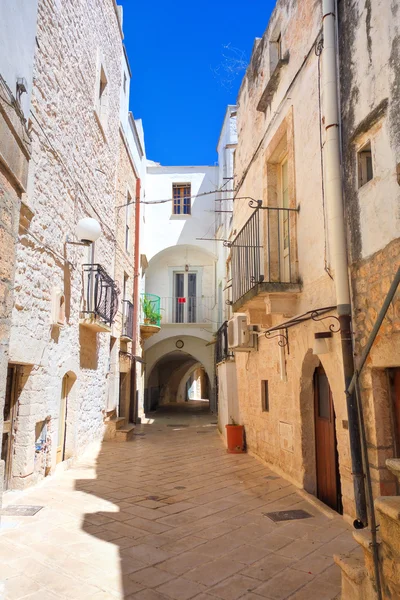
328, 480
395, 374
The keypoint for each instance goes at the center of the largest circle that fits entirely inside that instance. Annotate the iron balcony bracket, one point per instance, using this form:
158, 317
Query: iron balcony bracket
256, 204
334, 327
284, 338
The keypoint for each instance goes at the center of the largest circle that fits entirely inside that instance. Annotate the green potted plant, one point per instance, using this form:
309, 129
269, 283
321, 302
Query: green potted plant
151, 316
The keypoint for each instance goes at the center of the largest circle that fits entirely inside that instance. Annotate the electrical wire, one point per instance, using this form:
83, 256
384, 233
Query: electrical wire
164, 200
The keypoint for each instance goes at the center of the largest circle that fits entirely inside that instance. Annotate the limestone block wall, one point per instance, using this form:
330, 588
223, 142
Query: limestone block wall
75, 156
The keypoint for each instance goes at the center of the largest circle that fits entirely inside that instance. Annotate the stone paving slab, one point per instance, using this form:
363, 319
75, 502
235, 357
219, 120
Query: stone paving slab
168, 516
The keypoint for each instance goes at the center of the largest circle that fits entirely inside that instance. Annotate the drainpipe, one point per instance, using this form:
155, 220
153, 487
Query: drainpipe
334, 196
136, 301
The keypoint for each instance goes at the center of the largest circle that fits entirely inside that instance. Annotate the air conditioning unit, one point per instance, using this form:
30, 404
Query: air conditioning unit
57, 307
241, 337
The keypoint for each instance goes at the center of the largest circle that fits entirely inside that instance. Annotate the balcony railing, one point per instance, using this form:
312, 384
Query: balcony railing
127, 319
101, 294
262, 252
191, 309
150, 310
221, 348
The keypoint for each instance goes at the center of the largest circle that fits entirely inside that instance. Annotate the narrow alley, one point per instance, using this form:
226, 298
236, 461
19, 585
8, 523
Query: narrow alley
169, 515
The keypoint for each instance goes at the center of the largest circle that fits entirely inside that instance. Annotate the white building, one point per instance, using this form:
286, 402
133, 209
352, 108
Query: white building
180, 251
226, 368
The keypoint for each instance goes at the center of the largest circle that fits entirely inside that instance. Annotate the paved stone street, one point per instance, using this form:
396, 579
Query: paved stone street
169, 515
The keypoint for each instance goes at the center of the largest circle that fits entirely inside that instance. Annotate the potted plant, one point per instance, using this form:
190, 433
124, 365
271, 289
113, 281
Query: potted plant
151, 316
235, 437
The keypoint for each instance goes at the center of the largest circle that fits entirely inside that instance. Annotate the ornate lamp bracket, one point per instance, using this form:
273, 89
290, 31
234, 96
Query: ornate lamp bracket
255, 203
334, 327
284, 338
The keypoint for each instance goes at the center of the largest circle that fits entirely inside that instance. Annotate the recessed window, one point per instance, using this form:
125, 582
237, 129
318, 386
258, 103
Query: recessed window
128, 216
181, 193
365, 168
102, 95
279, 46
264, 396
125, 80
275, 51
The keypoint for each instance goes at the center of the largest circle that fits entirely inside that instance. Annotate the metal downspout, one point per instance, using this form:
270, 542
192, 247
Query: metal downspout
334, 196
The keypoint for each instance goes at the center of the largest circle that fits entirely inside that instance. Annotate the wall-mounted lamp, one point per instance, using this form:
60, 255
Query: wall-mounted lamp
320, 345
87, 231
186, 268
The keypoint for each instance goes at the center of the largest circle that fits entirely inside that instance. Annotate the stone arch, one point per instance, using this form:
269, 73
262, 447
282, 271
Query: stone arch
310, 363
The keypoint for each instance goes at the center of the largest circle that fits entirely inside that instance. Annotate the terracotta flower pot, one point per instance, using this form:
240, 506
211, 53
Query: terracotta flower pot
235, 439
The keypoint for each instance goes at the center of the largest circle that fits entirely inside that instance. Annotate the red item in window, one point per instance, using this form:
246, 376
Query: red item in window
181, 300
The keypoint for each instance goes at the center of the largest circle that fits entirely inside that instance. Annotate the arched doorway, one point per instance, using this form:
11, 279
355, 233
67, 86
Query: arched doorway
326, 452
64, 431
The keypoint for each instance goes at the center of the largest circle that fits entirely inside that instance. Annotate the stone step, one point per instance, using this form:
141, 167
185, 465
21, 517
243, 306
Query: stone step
118, 422
352, 565
125, 434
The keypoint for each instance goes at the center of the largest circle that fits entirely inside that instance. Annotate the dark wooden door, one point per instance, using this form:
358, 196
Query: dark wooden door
395, 375
328, 480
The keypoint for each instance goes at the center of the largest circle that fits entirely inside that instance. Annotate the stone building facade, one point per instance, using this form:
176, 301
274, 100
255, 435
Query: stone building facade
370, 95
291, 400
181, 277
290, 385
59, 345
17, 30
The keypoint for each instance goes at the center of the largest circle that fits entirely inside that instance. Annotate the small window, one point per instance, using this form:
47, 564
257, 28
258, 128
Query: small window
365, 169
102, 92
128, 217
279, 46
125, 80
264, 396
181, 193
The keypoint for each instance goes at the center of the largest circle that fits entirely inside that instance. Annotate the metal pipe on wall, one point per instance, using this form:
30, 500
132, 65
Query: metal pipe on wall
334, 197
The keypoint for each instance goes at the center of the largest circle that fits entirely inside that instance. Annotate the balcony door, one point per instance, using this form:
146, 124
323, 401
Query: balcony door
284, 230
185, 297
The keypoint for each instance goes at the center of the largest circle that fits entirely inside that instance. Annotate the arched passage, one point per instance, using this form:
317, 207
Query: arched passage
168, 367
172, 376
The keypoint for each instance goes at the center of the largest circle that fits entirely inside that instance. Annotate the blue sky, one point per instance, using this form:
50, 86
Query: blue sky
181, 70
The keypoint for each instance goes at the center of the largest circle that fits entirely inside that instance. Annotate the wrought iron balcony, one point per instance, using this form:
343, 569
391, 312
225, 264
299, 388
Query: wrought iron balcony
191, 309
263, 255
221, 348
100, 297
127, 320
